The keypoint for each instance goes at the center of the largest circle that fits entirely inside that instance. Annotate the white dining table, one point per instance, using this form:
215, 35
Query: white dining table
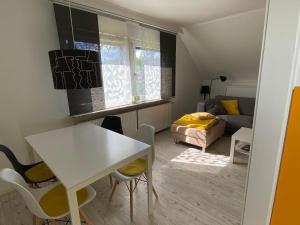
82, 154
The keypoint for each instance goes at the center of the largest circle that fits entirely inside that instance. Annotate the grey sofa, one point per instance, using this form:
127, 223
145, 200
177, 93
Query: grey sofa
246, 108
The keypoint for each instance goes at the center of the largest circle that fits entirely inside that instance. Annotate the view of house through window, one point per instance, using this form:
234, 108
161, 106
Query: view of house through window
116, 75
130, 58
130, 63
147, 74
119, 87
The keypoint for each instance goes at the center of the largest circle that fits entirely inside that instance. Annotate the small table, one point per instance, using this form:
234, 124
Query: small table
82, 154
243, 135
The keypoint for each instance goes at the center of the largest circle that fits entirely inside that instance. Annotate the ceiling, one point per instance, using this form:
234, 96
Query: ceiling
231, 45
186, 12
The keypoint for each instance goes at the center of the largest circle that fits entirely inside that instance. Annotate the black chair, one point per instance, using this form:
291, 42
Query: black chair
113, 123
33, 174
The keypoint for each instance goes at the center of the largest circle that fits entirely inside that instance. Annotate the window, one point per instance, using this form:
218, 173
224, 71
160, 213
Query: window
130, 62
116, 75
86, 46
147, 74
137, 62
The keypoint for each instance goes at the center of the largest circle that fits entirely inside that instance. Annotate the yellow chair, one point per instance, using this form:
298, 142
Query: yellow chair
137, 170
50, 202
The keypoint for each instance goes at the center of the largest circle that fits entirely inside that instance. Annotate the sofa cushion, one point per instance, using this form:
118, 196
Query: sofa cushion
236, 122
231, 107
214, 107
246, 105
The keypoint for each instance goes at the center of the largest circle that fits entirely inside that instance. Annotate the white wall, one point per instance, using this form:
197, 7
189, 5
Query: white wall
29, 104
230, 45
188, 82
239, 88
275, 85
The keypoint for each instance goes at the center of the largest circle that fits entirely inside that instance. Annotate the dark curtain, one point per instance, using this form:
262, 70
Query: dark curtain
86, 31
168, 64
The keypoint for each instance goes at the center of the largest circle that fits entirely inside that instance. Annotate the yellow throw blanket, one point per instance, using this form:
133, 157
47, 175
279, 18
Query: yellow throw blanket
193, 122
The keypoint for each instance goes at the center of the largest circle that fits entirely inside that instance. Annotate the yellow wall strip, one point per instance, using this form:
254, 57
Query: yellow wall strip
286, 208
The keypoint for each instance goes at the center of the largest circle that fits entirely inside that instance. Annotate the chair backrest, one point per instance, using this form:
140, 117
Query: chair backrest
146, 134
113, 123
16, 180
12, 158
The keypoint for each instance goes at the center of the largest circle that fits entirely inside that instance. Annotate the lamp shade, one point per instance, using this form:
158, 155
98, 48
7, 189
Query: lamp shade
75, 69
223, 78
205, 89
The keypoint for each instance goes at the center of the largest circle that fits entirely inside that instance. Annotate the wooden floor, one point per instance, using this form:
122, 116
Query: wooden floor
194, 188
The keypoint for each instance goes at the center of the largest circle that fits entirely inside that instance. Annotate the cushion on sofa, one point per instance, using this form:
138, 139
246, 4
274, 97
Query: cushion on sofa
236, 122
246, 108
214, 107
231, 106
246, 105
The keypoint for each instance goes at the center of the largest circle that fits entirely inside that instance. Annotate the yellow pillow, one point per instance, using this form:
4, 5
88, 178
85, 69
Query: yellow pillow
203, 115
231, 107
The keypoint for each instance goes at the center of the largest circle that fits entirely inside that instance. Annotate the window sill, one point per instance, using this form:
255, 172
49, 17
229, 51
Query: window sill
118, 110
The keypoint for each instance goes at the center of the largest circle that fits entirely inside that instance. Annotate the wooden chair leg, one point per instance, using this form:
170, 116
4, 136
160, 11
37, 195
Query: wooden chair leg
155, 193
113, 190
34, 220
131, 199
111, 181
85, 217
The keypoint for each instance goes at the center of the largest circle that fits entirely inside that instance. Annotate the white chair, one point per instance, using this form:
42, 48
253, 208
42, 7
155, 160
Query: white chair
136, 170
47, 203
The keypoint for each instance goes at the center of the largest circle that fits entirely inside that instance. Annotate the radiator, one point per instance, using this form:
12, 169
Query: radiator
159, 116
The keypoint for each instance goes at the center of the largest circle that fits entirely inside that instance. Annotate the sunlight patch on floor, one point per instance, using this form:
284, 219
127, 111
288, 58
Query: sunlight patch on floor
195, 156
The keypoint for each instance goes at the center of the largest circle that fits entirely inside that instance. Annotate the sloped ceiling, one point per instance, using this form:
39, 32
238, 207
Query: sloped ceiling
230, 45
185, 12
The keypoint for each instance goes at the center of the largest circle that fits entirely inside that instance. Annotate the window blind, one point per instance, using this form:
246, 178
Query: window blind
86, 36
137, 63
168, 64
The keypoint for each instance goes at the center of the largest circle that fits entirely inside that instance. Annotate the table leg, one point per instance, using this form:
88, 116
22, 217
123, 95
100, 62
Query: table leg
149, 183
232, 147
73, 206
